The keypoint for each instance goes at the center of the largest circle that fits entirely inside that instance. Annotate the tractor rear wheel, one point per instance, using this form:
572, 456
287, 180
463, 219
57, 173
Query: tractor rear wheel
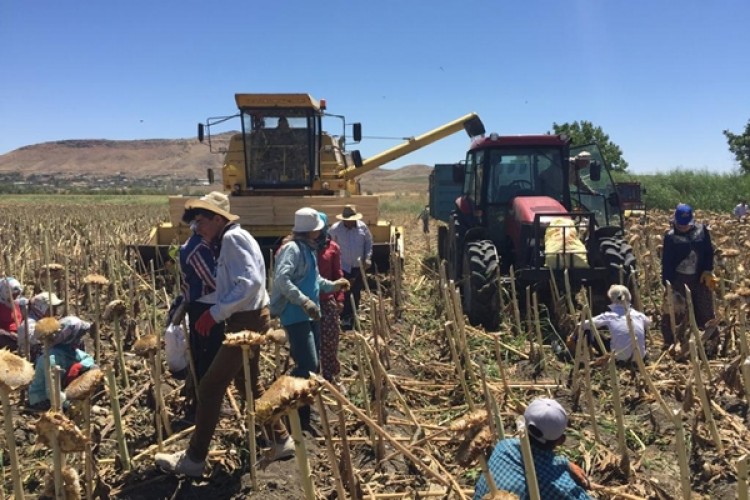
479, 285
616, 254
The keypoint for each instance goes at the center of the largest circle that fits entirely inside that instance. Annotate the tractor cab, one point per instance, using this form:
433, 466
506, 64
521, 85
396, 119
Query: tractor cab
516, 192
506, 180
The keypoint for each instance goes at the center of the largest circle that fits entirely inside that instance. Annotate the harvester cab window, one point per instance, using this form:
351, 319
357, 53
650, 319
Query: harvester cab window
279, 148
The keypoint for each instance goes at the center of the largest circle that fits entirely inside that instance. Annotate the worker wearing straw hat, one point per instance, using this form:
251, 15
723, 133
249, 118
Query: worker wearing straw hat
242, 304
355, 240
198, 268
546, 421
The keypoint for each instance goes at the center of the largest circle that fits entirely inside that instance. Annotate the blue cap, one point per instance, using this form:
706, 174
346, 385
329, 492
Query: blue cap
683, 215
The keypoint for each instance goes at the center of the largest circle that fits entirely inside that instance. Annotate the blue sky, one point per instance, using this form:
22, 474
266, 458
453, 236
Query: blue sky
663, 79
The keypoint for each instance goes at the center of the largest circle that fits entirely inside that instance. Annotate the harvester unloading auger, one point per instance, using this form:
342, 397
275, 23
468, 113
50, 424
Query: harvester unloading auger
283, 160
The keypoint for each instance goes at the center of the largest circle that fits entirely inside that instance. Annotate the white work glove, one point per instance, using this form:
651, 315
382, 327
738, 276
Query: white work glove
341, 284
311, 309
368, 264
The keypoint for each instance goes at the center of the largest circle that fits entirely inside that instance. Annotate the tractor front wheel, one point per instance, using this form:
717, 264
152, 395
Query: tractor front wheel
480, 284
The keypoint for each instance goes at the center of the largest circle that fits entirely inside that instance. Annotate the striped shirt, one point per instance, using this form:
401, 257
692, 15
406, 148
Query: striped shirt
198, 266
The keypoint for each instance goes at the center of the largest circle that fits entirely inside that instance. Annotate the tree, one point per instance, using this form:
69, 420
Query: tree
739, 146
584, 132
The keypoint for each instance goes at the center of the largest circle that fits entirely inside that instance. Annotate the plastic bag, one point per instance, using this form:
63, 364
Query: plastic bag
176, 348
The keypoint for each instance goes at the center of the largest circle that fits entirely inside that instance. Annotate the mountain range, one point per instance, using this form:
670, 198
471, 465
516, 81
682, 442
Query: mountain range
181, 159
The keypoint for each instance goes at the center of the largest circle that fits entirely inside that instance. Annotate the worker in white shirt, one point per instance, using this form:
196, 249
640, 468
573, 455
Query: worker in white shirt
355, 240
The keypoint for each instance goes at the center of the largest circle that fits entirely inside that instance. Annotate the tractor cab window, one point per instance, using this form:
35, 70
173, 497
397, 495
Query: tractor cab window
591, 190
474, 178
279, 148
522, 172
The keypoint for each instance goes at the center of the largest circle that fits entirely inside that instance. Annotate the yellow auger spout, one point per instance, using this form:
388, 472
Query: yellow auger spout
471, 123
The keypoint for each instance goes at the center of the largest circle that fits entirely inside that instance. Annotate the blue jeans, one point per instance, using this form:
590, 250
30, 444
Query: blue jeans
304, 345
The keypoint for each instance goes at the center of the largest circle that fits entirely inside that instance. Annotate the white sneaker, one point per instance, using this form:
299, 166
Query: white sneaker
280, 451
180, 463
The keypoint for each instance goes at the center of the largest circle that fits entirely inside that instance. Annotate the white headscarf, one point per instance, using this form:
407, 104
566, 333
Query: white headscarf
9, 286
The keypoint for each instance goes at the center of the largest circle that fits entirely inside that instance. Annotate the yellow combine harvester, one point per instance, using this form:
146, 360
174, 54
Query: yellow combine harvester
283, 160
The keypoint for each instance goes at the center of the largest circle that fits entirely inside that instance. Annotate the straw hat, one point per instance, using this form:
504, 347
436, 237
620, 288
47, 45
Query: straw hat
215, 202
349, 213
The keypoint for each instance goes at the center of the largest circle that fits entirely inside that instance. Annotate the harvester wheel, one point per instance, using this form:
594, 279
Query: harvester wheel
480, 284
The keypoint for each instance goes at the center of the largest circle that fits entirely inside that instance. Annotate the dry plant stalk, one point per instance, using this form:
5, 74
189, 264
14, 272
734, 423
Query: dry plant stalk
330, 450
284, 397
148, 347
96, 282
59, 433
528, 460
15, 373
46, 328
115, 310
245, 340
81, 390
115, 405
705, 403
742, 477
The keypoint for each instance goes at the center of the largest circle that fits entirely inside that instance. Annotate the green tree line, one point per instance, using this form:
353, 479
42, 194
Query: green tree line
703, 190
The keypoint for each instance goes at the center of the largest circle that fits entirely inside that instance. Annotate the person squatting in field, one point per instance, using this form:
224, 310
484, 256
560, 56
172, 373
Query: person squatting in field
616, 321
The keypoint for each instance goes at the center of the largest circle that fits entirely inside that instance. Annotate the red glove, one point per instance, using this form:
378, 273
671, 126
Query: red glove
579, 476
73, 372
205, 323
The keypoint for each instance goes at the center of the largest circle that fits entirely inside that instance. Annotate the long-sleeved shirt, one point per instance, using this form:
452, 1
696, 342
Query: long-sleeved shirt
240, 274
10, 317
198, 266
552, 471
295, 262
690, 253
329, 267
355, 243
616, 322
63, 356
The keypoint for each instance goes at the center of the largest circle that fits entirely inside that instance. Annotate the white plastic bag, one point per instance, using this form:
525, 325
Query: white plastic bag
176, 348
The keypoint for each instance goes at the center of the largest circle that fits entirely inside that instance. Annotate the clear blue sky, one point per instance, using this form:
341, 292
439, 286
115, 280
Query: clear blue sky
663, 79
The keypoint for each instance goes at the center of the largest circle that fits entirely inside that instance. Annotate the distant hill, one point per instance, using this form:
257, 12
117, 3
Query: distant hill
177, 158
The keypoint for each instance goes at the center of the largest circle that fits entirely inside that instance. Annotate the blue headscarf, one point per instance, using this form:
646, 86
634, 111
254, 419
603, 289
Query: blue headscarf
323, 238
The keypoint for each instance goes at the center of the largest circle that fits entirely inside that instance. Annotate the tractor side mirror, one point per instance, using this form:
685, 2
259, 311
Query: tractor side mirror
357, 131
643, 190
356, 158
458, 174
210, 175
201, 132
474, 126
595, 171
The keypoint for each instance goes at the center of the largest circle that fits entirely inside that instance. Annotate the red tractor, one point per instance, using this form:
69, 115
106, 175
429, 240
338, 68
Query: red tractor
516, 192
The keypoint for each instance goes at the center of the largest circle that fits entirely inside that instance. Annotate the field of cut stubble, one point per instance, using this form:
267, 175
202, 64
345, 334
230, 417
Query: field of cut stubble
675, 425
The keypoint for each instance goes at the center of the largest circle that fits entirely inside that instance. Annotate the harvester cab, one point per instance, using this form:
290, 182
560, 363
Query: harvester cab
537, 205
283, 160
